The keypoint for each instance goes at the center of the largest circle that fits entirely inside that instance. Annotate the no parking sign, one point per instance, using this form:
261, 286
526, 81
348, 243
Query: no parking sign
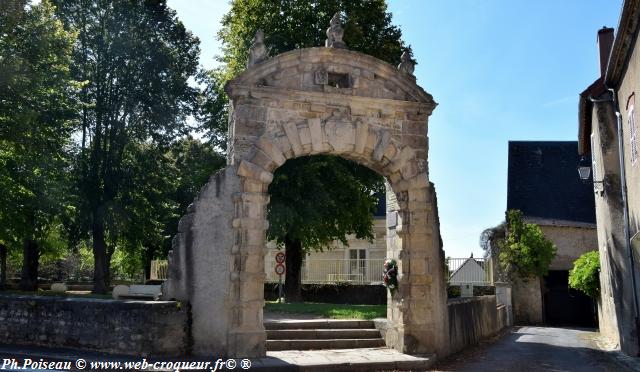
280, 258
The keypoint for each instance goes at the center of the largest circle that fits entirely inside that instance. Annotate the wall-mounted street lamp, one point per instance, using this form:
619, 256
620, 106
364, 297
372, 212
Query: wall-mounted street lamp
584, 168
584, 171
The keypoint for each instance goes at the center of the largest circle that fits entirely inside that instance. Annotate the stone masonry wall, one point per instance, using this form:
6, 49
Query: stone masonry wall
571, 243
472, 319
527, 301
133, 327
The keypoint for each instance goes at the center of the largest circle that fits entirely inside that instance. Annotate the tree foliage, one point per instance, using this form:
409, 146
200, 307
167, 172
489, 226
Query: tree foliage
525, 251
318, 200
585, 275
36, 122
136, 58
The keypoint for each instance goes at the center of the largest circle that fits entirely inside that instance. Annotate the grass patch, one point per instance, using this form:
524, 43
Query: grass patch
332, 311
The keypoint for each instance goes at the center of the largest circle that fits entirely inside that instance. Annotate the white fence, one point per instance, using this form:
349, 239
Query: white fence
323, 271
478, 271
159, 270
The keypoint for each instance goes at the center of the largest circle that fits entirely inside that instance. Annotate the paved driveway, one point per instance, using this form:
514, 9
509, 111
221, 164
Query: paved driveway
540, 349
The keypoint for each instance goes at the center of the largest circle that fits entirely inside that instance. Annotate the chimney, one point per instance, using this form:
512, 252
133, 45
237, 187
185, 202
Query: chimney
605, 42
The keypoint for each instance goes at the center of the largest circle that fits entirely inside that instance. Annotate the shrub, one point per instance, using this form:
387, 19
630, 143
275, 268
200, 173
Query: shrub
585, 275
525, 251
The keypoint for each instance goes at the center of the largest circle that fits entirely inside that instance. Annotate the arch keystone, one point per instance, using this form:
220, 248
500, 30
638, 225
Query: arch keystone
341, 136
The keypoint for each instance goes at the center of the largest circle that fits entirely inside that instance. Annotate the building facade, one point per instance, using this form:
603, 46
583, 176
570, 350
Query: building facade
608, 141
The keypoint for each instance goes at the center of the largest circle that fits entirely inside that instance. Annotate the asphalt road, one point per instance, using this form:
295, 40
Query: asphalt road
540, 349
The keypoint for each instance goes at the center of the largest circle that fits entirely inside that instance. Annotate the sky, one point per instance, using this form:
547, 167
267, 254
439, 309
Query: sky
500, 70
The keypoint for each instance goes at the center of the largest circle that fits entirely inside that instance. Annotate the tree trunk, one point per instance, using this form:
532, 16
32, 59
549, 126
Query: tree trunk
29, 275
293, 274
100, 263
3, 267
147, 258
107, 268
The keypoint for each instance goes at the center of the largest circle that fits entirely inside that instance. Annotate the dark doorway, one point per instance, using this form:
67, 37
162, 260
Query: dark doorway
564, 306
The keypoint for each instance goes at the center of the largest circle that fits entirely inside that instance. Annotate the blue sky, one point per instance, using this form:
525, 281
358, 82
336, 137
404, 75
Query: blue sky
500, 70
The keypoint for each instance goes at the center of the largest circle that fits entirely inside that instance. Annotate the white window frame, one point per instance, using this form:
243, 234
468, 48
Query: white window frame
633, 136
594, 165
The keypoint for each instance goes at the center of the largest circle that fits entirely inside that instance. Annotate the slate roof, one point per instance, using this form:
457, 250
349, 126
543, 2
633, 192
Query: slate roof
543, 182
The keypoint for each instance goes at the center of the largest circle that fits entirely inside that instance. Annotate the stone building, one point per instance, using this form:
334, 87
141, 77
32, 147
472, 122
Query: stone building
544, 185
608, 142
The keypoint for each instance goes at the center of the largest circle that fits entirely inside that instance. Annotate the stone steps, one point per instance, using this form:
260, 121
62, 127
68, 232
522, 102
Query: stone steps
322, 334
318, 324
345, 343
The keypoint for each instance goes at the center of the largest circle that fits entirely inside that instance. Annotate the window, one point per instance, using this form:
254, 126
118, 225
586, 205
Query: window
633, 136
357, 263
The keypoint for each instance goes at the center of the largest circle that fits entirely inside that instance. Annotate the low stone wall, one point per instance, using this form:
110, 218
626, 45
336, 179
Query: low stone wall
473, 318
121, 327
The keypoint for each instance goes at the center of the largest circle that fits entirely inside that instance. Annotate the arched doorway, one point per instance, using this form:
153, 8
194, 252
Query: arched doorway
306, 102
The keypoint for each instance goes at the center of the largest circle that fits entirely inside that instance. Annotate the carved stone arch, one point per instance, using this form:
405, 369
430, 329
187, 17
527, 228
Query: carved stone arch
283, 108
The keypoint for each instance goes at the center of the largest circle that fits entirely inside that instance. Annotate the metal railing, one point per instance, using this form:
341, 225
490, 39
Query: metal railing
159, 269
329, 271
477, 271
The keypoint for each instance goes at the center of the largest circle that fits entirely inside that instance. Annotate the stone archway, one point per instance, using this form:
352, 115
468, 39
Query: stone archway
306, 102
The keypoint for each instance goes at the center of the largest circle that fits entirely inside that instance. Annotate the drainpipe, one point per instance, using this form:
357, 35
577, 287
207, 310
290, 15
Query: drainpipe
625, 206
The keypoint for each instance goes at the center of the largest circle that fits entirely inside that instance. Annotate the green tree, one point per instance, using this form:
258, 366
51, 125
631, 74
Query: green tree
525, 251
585, 275
149, 182
136, 58
317, 212
161, 183
36, 122
195, 161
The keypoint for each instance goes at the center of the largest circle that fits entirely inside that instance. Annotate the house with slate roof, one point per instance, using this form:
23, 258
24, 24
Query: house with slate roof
543, 183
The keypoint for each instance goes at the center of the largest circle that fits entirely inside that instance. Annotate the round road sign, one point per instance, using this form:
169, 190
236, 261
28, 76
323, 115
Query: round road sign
280, 257
280, 269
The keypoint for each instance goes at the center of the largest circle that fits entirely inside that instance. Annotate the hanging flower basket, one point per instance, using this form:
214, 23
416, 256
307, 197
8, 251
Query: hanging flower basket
390, 275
